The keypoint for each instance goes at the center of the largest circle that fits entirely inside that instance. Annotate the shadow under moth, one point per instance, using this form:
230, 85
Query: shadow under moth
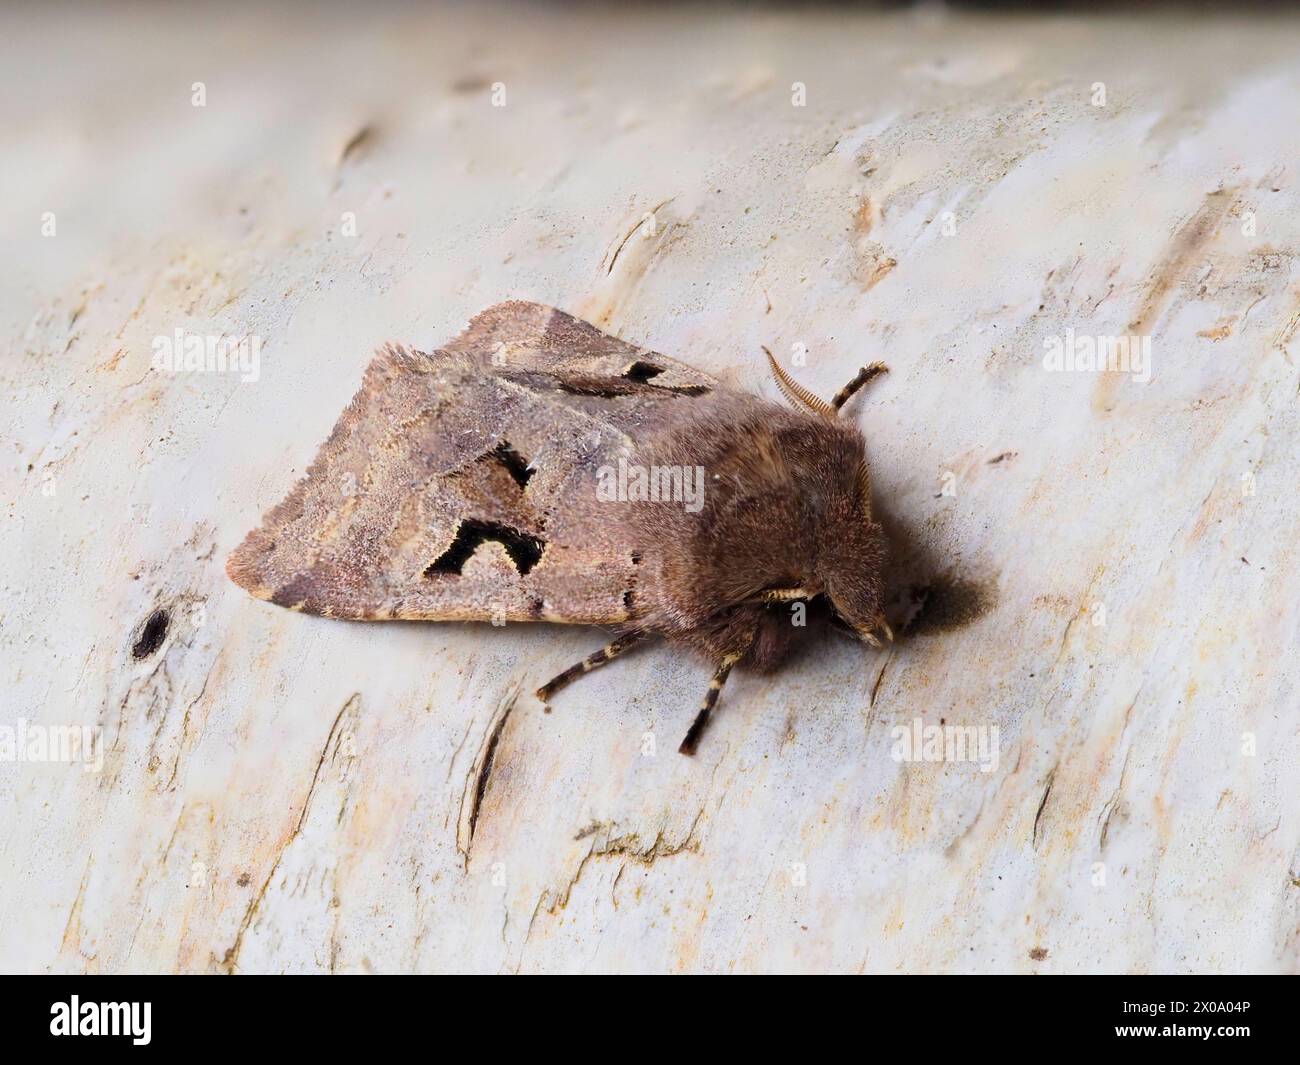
538, 469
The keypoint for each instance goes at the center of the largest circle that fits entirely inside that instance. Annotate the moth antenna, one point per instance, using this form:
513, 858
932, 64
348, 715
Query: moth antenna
796, 393
864, 483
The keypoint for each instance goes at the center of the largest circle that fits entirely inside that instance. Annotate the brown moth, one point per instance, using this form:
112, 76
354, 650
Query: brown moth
518, 474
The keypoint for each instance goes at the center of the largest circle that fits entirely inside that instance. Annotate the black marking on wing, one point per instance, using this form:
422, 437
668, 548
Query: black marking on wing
642, 371
524, 550
515, 464
612, 387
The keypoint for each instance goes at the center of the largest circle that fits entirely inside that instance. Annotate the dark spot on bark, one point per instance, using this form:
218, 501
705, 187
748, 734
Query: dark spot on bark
524, 550
359, 140
470, 83
152, 634
1038, 954
244, 880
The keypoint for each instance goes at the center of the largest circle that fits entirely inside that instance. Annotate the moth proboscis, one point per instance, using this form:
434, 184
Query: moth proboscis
518, 474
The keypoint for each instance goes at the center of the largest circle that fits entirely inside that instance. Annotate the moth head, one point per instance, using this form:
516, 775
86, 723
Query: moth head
851, 549
851, 568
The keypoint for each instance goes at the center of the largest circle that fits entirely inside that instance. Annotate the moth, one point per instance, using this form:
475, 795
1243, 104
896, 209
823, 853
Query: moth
517, 474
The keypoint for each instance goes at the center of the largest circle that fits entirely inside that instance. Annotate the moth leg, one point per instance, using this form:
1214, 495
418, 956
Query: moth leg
605, 654
777, 595
863, 376
692, 739
784, 595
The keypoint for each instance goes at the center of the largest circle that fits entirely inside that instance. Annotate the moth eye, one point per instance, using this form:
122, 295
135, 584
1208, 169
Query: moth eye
514, 463
642, 371
524, 550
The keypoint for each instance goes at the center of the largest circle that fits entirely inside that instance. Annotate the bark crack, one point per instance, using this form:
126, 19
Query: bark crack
1042, 804
231, 957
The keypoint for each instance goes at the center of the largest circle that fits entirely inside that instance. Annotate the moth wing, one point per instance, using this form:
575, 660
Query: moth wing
439, 495
518, 338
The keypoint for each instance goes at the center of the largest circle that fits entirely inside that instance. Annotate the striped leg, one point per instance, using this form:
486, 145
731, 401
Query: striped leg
710, 698
864, 375
589, 663
777, 595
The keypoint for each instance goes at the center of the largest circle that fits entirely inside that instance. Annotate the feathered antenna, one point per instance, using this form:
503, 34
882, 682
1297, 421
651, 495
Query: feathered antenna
796, 393
864, 484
